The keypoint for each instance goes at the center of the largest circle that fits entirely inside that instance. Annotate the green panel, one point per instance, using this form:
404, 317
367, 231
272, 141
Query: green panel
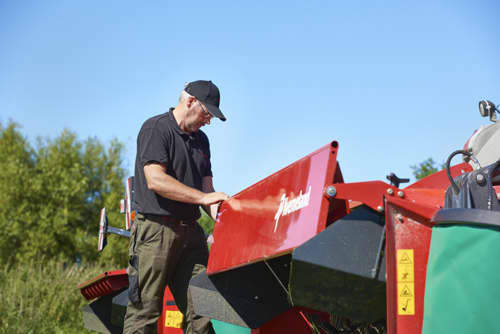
462, 293
225, 328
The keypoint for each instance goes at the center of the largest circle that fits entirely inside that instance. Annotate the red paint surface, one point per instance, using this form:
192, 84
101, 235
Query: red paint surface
247, 229
168, 298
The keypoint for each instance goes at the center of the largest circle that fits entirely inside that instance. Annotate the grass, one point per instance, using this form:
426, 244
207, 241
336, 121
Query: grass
41, 297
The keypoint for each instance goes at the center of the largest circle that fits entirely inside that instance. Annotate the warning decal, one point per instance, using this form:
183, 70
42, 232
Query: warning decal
405, 258
173, 319
406, 291
406, 283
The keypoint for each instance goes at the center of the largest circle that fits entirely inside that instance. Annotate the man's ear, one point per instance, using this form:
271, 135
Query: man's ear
189, 101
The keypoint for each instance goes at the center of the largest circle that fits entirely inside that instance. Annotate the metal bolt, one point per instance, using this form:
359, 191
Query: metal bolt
331, 191
380, 209
390, 191
480, 179
399, 217
401, 194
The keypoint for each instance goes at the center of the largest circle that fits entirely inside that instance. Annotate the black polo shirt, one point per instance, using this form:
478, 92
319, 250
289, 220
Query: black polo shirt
186, 156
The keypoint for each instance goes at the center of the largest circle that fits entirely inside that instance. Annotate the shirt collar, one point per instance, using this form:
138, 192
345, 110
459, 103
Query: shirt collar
176, 126
173, 122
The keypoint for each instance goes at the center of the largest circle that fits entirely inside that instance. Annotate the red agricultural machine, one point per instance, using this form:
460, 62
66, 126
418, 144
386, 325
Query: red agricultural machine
304, 252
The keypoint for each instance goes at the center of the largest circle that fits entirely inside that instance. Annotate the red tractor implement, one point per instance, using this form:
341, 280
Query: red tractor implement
302, 251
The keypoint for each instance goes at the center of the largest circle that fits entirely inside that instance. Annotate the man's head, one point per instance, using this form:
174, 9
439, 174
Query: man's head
198, 103
208, 94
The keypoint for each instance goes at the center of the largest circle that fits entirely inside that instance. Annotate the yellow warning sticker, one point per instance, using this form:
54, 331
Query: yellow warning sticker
173, 319
405, 290
405, 274
406, 306
406, 281
405, 256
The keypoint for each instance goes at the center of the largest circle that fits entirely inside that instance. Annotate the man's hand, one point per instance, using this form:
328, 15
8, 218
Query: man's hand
208, 189
213, 197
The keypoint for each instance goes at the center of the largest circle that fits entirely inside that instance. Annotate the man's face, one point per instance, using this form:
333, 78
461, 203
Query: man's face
197, 116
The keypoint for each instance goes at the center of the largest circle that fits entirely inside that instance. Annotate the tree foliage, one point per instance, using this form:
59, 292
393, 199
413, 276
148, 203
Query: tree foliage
206, 222
51, 195
426, 168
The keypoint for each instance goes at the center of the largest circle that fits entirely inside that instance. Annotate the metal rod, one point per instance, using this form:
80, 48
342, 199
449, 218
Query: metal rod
279, 281
376, 267
118, 231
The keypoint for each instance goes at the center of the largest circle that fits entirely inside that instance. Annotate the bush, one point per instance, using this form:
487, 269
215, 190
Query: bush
42, 297
51, 195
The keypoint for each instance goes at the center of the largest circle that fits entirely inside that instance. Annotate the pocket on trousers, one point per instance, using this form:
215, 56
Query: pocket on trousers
149, 235
133, 280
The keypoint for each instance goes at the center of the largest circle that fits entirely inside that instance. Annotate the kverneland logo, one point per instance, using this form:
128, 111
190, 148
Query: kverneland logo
288, 206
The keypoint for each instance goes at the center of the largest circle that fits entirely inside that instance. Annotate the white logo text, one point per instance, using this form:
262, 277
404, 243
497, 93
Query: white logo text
288, 206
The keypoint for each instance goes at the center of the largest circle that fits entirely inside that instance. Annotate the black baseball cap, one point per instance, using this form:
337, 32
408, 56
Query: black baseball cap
208, 93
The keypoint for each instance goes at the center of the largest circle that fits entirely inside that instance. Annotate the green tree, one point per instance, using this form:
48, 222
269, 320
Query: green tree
52, 195
17, 162
426, 168
206, 222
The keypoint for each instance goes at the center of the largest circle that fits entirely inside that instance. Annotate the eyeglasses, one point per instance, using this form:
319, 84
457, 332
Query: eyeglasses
206, 114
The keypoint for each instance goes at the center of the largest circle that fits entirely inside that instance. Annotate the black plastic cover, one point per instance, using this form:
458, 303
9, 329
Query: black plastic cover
333, 271
248, 296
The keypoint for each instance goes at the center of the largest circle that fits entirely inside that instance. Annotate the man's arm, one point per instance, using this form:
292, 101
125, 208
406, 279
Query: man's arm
166, 186
208, 187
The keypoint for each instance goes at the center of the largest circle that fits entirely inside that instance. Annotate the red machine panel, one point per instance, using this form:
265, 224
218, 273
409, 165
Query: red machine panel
104, 284
276, 214
408, 241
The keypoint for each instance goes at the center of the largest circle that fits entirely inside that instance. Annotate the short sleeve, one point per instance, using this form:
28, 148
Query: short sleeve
152, 146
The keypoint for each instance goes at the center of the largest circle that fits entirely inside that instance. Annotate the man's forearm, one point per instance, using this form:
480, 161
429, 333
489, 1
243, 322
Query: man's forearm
168, 187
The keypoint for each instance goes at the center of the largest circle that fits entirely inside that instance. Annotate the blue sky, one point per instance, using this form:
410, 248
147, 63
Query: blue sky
395, 82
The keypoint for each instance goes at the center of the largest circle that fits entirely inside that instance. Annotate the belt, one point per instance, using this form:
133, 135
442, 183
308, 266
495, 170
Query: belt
168, 219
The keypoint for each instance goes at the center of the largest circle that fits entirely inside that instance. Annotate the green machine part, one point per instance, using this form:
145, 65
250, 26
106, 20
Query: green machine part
462, 293
226, 328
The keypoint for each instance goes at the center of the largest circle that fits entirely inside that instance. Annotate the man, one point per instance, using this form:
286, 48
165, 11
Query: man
173, 177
